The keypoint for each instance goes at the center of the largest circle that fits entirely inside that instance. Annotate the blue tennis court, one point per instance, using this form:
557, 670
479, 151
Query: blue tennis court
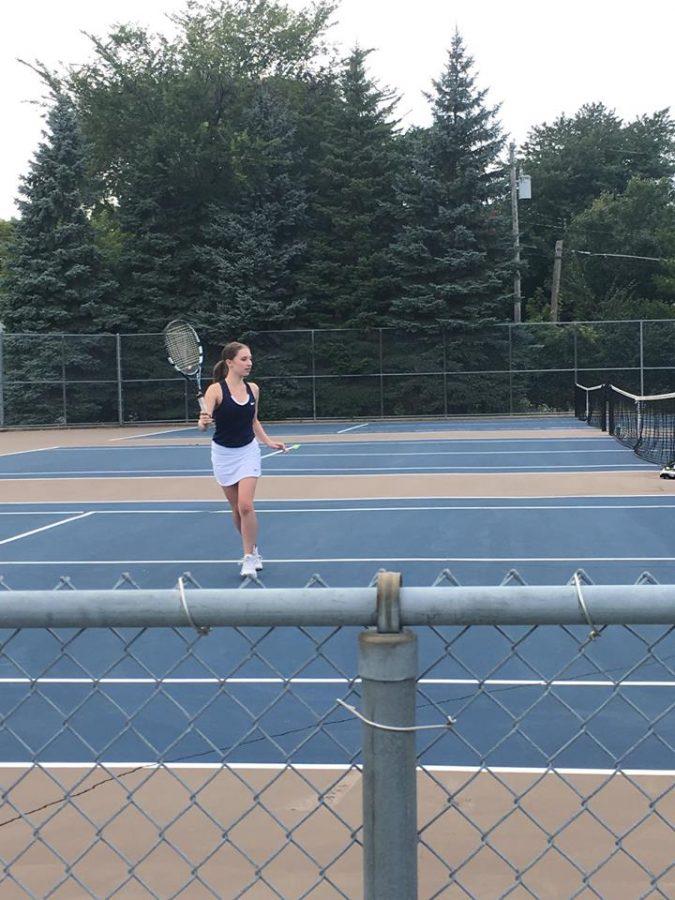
505, 423
338, 458
150, 685
344, 542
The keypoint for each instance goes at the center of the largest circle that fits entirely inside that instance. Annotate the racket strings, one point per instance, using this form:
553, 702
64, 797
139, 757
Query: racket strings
182, 347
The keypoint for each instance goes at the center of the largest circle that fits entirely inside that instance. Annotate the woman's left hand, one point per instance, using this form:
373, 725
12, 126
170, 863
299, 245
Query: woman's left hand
277, 445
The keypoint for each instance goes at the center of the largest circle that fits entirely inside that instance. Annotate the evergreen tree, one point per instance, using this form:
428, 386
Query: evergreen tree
640, 223
54, 279
451, 255
353, 213
247, 262
166, 118
6, 231
575, 160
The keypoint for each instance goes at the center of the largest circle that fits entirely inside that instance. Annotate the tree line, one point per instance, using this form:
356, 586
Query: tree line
243, 175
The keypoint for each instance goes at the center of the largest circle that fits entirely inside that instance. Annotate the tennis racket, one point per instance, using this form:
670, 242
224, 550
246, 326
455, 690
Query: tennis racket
185, 354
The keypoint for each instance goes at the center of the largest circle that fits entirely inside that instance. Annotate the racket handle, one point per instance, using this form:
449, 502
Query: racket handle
202, 402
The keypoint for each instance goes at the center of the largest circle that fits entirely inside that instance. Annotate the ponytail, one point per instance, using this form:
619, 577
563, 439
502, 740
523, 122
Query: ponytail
230, 350
219, 371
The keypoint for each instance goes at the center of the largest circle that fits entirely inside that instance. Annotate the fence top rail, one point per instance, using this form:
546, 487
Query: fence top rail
645, 604
429, 328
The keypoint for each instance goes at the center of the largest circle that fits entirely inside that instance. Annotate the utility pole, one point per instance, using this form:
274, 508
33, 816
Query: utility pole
555, 287
516, 234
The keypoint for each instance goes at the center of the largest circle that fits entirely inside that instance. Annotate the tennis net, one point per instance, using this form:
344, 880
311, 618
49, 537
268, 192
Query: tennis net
590, 404
646, 424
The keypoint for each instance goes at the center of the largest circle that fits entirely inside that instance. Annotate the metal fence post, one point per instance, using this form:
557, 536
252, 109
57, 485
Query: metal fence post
576, 354
2, 380
313, 375
388, 669
381, 377
445, 372
63, 380
642, 358
118, 352
510, 327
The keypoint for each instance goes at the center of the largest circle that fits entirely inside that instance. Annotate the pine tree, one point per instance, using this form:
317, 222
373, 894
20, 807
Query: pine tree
451, 255
353, 214
54, 278
247, 262
152, 227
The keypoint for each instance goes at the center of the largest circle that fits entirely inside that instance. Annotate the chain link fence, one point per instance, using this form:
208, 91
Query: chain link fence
316, 742
461, 369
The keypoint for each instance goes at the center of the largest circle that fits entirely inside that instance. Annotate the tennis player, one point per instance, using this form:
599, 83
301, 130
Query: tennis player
232, 404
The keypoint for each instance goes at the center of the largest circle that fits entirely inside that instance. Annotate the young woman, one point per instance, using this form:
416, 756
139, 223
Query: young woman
232, 404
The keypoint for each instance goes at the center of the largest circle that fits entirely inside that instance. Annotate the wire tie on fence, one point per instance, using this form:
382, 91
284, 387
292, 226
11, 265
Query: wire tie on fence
200, 629
594, 633
355, 712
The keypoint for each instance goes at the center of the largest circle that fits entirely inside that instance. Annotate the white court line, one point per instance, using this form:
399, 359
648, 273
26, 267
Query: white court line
18, 537
343, 453
101, 473
341, 559
344, 470
464, 682
352, 473
342, 444
130, 437
514, 500
34, 450
337, 509
59, 512
332, 767
352, 428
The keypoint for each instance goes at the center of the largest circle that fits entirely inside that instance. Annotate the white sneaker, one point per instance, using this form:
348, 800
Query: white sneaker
248, 568
258, 559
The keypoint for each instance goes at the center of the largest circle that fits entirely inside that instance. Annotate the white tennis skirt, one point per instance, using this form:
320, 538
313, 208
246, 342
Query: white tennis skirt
231, 464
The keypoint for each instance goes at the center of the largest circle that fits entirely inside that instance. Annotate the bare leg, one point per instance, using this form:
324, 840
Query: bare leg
232, 494
247, 516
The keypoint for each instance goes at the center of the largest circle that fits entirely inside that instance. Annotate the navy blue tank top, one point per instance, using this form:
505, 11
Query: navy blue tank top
234, 421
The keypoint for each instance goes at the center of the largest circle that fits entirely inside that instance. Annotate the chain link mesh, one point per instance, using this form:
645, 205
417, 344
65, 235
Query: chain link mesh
161, 762
460, 369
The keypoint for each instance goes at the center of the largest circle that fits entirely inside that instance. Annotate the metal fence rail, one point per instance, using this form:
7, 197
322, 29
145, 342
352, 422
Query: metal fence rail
461, 368
394, 742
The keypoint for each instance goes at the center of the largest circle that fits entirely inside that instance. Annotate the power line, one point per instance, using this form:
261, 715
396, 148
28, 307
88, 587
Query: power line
620, 256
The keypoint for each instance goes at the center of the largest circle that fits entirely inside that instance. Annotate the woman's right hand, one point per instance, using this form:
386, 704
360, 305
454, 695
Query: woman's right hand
204, 421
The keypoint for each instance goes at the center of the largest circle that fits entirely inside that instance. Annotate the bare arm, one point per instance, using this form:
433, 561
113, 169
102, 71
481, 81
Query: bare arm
212, 398
258, 430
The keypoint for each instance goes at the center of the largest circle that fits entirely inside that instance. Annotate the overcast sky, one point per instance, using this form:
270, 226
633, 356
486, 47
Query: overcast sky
538, 59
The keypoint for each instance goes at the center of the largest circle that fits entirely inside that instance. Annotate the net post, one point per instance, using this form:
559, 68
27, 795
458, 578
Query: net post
118, 362
388, 671
604, 406
610, 410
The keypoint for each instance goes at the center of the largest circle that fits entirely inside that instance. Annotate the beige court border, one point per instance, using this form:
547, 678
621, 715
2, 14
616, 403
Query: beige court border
194, 806
321, 487
17, 441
